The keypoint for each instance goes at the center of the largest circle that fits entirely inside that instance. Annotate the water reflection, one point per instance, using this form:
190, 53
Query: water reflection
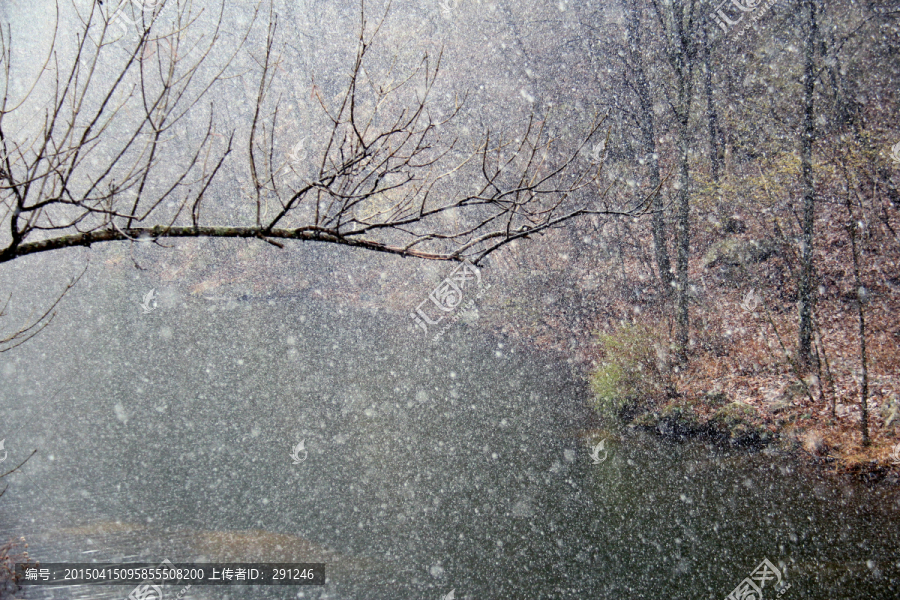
430, 468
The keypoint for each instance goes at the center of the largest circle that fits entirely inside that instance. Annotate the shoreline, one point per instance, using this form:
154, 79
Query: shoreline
732, 426
712, 417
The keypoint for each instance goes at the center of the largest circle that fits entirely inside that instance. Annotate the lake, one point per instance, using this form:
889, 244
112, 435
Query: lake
427, 468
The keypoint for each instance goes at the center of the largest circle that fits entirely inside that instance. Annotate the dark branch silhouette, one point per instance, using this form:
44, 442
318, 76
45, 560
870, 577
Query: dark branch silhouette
127, 150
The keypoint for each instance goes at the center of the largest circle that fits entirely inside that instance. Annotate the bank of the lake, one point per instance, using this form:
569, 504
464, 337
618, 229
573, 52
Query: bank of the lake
433, 467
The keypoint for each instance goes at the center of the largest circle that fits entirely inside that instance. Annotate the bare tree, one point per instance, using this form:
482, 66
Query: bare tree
647, 124
806, 287
127, 150
716, 143
678, 21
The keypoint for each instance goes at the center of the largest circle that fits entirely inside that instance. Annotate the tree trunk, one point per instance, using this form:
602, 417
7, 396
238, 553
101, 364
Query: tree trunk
648, 142
683, 66
860, 304
683, 234
716, 147
806, 286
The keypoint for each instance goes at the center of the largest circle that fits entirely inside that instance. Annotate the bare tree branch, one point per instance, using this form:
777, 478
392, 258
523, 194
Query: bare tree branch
112, 161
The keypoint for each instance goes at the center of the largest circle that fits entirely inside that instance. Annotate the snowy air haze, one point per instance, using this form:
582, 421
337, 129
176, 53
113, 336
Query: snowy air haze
461, 299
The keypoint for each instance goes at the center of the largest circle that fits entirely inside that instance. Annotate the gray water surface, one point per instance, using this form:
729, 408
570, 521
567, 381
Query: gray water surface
432, 467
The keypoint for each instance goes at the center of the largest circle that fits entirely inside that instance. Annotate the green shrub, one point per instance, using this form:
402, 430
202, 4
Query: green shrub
633, 370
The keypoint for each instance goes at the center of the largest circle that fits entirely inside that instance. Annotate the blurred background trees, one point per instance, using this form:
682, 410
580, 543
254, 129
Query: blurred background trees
769, 140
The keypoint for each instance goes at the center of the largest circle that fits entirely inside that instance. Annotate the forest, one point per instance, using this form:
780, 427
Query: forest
690, 209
